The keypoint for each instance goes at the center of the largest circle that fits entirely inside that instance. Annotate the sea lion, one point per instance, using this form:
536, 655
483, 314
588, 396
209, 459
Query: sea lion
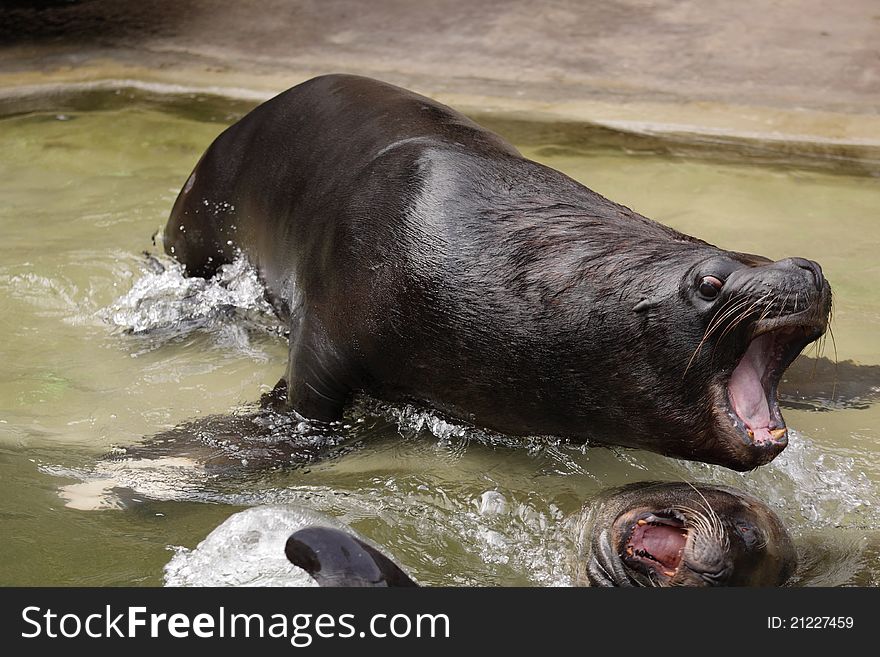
334, 557
419, 257
675, 534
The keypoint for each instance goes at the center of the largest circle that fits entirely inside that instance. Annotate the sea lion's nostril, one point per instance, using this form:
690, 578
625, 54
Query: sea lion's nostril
813, 268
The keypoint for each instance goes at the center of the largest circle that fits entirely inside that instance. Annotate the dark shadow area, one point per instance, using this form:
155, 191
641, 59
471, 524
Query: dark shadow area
87, 21
821, 384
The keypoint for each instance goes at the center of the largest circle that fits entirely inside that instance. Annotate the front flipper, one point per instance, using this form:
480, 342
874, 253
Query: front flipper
319, 379
336, 558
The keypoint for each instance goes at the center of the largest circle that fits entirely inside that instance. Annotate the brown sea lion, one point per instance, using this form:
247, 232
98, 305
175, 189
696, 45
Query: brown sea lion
419, 257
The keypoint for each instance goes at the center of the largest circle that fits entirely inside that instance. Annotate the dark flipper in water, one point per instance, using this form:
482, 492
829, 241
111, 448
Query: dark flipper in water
336, 558
255, 440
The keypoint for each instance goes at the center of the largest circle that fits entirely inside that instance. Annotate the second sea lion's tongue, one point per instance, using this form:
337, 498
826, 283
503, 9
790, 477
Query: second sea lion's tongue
664, 543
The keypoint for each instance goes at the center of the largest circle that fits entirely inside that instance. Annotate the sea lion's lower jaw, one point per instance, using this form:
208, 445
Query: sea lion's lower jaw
747, 409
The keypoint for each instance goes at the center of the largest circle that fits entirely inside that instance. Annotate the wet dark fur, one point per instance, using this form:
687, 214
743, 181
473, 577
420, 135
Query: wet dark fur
420, 257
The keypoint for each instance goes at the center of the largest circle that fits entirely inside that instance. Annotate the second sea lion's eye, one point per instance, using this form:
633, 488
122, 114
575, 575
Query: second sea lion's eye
710, 286
752, 536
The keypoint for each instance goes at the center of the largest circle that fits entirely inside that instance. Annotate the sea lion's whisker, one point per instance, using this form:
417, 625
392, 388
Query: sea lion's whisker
746, 313
742, 315
785, 303
716, 322
717, 520
770, 305
724, 312
836, 362
730, 307
700, 521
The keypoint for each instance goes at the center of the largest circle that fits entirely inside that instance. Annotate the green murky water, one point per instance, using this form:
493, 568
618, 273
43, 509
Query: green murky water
82, 195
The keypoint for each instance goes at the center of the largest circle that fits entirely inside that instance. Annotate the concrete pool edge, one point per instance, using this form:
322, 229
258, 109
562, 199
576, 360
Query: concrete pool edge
800, 137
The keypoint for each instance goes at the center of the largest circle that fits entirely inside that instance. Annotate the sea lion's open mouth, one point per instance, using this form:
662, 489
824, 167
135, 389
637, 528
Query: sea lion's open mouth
656, 543
752, 388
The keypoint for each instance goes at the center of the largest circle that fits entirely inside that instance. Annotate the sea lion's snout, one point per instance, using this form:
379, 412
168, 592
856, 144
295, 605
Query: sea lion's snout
784, 287
707, 558
760, 316
677, 547
810, 266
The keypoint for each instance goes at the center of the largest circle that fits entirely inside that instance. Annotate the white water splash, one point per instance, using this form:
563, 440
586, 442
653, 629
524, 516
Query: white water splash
165, 299
493, 537
247, 550
413, 420
809, 485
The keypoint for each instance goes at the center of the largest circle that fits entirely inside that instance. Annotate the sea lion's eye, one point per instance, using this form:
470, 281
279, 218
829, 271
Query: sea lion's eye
751, 535
710, 286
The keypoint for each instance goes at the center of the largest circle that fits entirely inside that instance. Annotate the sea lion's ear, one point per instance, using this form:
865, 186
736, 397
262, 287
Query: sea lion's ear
646, 304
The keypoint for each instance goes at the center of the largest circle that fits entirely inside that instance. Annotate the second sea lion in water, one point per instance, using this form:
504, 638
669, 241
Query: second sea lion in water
419, 257
674, 534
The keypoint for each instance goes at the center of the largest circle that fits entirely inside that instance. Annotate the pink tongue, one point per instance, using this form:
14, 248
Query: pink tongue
747, 393
664, 543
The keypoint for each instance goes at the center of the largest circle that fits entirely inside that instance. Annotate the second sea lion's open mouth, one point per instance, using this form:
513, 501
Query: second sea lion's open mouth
656, 544
752, 388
